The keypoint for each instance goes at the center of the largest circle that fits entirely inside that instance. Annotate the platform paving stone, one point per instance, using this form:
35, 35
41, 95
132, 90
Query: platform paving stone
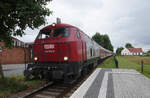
114, 83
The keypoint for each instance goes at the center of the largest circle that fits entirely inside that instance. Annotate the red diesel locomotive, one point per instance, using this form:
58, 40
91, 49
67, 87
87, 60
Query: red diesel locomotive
62, 51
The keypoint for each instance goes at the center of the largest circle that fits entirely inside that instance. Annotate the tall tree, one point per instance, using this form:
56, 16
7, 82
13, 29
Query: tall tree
129, 45
17, 15
103, 40
98, 38
107, 44
118, 51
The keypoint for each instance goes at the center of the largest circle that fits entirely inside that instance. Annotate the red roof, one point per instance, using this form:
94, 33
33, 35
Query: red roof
135, 50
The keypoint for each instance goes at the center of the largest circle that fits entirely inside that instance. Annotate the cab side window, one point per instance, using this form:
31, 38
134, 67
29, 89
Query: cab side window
78, 34
44, 34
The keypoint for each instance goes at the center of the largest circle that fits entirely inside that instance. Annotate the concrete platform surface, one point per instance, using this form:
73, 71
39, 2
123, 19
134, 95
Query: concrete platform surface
114, 83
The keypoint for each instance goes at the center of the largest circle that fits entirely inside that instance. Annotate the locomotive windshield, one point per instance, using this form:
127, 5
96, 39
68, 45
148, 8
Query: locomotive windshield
61, 32
44, 34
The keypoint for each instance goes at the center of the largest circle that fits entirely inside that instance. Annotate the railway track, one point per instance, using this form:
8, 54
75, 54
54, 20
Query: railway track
56, 89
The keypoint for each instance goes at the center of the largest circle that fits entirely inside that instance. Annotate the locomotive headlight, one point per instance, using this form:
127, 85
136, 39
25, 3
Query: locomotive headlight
35, 58
53, 25
65, 58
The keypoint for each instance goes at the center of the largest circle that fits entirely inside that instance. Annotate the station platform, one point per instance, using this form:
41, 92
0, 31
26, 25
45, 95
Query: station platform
114, 83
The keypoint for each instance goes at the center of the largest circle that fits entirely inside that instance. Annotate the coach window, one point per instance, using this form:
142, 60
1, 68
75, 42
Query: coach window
78, 34
44, 34
91, 52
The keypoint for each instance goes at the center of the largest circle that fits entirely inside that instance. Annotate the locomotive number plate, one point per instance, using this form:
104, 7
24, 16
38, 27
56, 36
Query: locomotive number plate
49, 46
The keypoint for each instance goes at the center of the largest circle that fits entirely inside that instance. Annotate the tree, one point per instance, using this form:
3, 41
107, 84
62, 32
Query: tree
148, 51
103, 40
17, 15
98, 38
128, 45
118, 51
107, 44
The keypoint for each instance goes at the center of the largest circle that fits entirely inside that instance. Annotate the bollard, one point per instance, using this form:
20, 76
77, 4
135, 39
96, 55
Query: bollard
142, 66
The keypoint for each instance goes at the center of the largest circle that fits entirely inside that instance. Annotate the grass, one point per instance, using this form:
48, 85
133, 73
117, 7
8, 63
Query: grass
129, 62
14, 84
108, 63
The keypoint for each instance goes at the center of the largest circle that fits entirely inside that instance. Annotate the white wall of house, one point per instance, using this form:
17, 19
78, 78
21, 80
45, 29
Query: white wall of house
141, 53
125, 51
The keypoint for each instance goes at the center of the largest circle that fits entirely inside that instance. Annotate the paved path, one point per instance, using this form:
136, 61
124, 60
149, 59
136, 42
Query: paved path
13, 69
114, 83
12, 66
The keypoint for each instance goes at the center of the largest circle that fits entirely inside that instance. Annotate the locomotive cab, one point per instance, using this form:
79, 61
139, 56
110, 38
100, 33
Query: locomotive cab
50, 45
55, 53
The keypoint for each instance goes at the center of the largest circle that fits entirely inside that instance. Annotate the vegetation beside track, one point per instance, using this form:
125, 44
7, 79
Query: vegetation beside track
129, 62
108, 63
14, 84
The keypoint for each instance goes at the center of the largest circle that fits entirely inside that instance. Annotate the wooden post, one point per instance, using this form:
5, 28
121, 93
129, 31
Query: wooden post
1, 70
25, 58
142, 66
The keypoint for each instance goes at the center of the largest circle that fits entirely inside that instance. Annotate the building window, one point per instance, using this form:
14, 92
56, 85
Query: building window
1, 48
16, 43
19, 44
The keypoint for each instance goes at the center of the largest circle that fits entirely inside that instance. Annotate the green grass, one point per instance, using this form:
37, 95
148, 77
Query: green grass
14, 84
129, 62
108, 63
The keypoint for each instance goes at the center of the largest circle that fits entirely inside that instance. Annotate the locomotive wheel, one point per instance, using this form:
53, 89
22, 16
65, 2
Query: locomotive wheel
84, 71
28, 75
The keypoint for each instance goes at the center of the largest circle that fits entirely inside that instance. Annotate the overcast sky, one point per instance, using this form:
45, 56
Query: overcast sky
123, 20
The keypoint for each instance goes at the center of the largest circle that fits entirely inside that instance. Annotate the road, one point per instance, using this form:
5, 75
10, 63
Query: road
13, 69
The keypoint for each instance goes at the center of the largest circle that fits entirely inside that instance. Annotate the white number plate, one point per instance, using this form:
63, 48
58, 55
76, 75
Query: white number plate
49, 46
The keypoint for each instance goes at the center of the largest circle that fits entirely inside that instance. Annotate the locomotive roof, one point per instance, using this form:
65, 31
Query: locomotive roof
58, 26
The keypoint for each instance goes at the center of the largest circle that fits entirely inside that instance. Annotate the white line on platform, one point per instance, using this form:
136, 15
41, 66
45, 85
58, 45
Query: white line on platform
103, 89
81, 91
125, 73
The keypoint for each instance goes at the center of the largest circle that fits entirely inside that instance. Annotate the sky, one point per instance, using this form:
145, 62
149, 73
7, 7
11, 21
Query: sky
125, 21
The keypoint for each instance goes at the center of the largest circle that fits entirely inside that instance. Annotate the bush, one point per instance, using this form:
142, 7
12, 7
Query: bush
15, 84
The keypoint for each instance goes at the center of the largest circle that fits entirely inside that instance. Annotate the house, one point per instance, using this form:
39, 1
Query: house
132, 51
17, 54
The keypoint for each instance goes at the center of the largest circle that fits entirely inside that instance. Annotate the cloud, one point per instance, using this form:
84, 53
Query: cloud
123, 20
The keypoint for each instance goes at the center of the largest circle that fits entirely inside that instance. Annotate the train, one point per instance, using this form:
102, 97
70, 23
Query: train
64, 52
